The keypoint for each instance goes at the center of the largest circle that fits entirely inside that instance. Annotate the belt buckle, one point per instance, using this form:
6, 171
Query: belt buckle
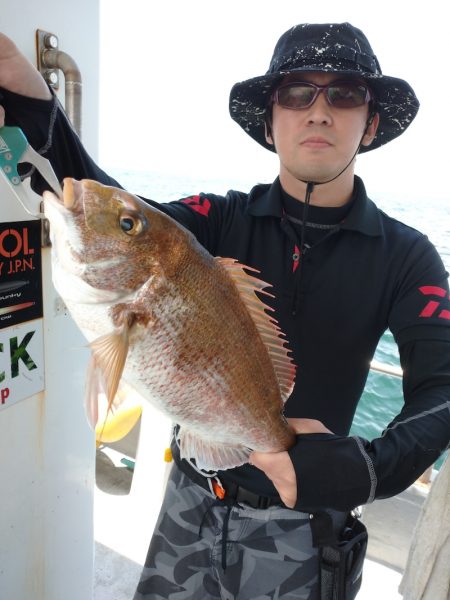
264, 502
251, 499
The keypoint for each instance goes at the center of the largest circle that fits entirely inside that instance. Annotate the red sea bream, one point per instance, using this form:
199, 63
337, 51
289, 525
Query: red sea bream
185, 329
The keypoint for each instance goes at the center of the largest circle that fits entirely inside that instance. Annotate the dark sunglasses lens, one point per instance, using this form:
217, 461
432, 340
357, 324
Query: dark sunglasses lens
296, 96
347, 95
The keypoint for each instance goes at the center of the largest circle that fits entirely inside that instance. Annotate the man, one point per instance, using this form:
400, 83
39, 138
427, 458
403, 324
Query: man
342, 272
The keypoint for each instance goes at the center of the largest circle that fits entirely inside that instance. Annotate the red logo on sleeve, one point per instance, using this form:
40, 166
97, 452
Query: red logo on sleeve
199, 204
433, 306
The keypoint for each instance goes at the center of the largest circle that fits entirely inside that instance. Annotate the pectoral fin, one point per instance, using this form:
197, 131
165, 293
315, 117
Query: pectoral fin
109, 353
117, 423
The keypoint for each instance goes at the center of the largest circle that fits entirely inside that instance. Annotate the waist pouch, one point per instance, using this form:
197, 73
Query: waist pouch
341, 561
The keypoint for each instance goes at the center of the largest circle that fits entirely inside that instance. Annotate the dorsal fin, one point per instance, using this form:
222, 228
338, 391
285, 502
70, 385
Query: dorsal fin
267, 326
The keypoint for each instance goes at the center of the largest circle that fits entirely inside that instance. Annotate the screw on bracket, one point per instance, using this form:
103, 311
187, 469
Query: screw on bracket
47, 41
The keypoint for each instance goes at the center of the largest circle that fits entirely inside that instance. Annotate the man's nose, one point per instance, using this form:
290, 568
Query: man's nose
320, 109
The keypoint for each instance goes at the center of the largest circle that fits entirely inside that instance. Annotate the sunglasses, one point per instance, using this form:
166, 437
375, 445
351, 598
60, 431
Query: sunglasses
340, 94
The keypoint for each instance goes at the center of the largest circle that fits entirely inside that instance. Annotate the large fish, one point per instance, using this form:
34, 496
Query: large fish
185, 329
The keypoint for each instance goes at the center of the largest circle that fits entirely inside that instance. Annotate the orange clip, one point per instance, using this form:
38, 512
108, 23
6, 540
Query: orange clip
218, 489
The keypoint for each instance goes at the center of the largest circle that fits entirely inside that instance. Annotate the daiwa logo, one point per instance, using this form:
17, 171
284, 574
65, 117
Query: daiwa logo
433, 306
199, 204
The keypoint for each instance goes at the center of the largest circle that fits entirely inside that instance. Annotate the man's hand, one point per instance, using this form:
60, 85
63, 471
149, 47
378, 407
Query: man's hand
278, 466
17, 74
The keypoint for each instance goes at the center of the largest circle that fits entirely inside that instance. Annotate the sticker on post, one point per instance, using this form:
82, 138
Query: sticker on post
20, 273
21, 362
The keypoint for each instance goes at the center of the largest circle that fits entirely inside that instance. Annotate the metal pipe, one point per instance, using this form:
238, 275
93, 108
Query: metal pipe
387, 369
56, 59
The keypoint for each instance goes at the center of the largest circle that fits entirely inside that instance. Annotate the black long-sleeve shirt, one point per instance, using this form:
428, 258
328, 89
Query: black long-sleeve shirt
363, 272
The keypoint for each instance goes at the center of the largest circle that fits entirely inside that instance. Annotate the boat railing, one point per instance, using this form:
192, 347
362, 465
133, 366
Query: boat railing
380, 367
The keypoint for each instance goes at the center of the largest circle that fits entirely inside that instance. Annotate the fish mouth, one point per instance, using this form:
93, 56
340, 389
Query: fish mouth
69, 193
72, 189
73, 192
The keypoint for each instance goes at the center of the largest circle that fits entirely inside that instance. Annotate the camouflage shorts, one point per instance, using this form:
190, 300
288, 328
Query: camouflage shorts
269, 554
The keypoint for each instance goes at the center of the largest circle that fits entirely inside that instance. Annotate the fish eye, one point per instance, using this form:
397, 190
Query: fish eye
132, 223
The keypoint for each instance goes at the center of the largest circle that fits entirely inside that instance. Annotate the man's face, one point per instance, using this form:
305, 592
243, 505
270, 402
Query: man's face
316, 143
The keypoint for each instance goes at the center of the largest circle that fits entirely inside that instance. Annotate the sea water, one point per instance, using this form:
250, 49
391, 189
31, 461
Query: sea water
382, 398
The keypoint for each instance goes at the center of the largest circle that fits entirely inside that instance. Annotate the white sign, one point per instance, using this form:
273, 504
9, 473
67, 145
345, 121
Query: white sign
21, 362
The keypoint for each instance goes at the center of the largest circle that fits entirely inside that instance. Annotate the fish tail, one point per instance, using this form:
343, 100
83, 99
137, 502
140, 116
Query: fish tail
282, 434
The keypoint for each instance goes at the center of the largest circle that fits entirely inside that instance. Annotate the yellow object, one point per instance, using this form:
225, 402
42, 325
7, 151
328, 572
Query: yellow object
117, 424
168, 455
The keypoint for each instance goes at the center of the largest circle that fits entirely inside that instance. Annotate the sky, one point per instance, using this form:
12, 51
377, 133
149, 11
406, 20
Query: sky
167, 67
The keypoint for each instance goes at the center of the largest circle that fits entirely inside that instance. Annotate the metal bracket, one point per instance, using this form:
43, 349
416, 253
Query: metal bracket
45, 40
45, 230
51, 60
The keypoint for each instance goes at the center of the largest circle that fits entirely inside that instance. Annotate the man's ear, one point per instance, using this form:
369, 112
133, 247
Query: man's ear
371, 129
268, 133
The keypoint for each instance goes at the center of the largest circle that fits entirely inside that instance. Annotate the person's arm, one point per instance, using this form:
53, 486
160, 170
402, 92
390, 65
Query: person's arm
329, 471
279, 467
344, 472
18, 75
49, 132
28, 103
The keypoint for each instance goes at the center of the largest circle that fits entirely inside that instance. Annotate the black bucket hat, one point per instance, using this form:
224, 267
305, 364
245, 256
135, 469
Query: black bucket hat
330, 47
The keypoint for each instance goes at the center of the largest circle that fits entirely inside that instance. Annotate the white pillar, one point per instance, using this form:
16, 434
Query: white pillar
47, 451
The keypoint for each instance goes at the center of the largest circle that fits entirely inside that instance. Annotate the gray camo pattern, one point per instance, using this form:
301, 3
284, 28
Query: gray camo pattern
269, 552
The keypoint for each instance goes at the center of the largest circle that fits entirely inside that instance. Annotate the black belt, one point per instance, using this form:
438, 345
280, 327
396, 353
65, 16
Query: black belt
232, 490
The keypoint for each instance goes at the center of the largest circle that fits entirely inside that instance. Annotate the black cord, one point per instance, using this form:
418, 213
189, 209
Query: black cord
309, 190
